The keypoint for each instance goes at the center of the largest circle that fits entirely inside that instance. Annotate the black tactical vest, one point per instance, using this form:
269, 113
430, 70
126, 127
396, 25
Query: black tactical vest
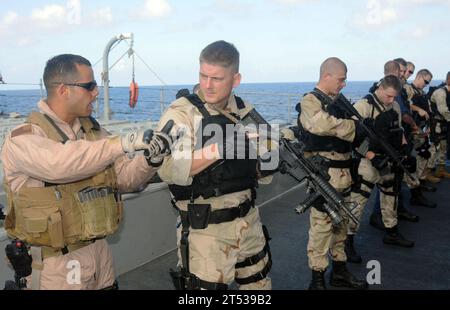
223, 177
316, 143
419, 98
386, 124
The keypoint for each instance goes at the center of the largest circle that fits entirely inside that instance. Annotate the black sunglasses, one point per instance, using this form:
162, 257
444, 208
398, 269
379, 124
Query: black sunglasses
426, 82
411, 72
89, 86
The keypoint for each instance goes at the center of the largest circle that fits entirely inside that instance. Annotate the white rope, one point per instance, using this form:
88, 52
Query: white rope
123, 55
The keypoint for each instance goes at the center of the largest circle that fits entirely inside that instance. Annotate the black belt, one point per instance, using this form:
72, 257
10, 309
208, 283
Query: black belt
222, 215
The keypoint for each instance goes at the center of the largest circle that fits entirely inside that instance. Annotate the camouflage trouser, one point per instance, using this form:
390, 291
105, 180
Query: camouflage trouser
387, 202
442, 152
323, 237
215, 250
423, 163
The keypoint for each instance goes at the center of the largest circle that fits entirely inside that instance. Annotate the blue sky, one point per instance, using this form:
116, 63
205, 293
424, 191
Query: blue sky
279, 40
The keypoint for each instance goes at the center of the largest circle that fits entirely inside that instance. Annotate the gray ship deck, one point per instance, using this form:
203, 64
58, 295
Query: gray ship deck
424, 267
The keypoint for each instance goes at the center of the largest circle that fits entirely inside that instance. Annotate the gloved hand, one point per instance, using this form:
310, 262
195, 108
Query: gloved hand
379, 162
159, 147
318, 204
136, 140
155, 161
423, 151
156, 145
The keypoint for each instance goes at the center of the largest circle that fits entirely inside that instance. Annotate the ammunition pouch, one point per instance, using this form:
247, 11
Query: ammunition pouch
198, 215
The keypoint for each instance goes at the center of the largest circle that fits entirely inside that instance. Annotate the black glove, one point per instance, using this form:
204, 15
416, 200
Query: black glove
318, 204
159, 146
423, 151
410, 164
379, 162
405, 150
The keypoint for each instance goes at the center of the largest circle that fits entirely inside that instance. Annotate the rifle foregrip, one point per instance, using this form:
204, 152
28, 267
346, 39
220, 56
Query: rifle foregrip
327, 188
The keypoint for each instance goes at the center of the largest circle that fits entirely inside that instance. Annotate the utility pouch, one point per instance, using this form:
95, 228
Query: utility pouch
199, 215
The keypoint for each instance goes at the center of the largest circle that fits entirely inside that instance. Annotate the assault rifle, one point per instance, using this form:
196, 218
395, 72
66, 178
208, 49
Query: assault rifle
311, 172
393, 155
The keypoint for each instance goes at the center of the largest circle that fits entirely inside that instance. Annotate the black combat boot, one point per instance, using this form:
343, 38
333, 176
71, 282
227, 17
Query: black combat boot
405, 214
393, 237
352, 256
417, 199
377, 221
317, 281
341, 277
427, 188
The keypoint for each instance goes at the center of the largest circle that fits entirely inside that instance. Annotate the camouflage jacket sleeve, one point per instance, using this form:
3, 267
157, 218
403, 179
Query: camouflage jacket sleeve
409, 91
440, 98
177, 167
317, 121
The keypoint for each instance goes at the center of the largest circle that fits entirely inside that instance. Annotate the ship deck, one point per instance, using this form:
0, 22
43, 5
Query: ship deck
424, 267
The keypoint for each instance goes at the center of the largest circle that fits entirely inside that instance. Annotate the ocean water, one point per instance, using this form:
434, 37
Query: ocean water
275, 101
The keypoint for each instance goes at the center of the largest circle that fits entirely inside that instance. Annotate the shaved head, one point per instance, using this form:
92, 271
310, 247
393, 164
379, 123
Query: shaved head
392, 68
332, 66
333, 76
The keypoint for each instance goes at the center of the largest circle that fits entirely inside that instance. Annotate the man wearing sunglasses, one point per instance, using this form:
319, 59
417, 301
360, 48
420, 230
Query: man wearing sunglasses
426, 152
410, 67
64, 175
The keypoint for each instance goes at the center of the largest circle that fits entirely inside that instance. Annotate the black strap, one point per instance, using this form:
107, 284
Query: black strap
374, 101
368, 184
362, 192
257, 276
387, 184
347, 192
199, 283
253, 260
387, 193
239, 102
199, 104
356, 188
222, 215
63, 136
323, 98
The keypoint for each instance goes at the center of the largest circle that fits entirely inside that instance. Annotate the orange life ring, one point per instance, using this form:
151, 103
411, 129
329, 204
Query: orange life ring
134, 94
